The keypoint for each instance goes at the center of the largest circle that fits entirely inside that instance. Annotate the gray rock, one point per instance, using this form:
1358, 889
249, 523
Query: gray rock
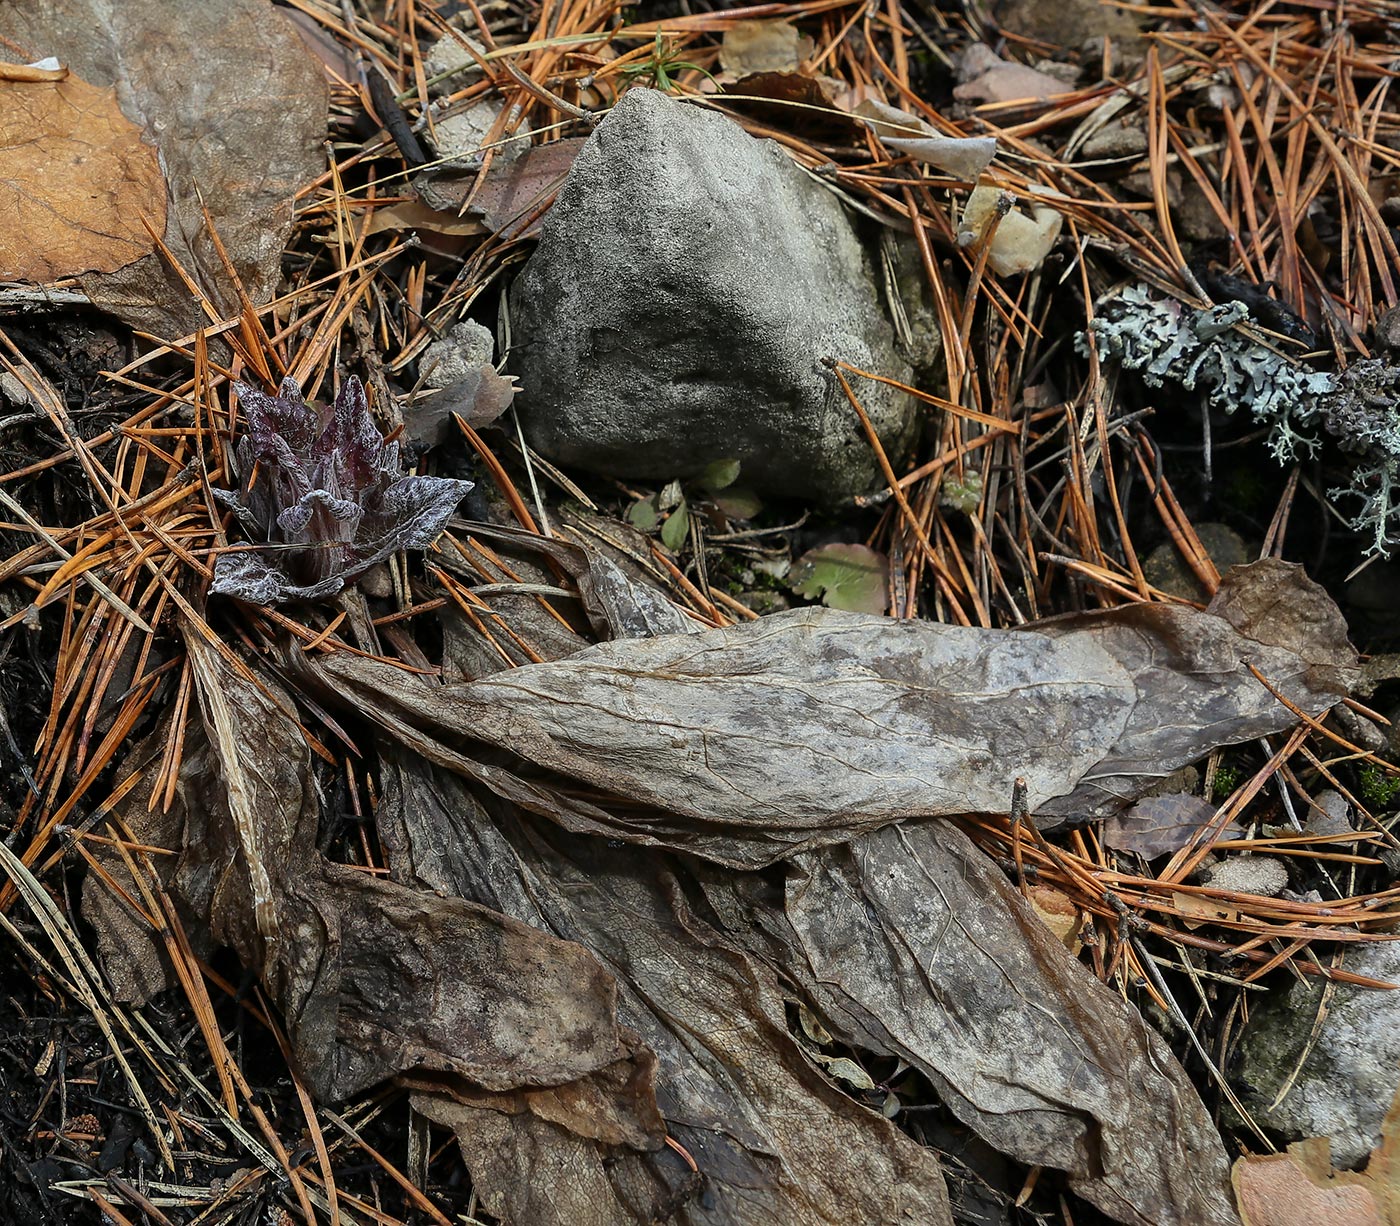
465, 349
1166, 569
1331, 814
1070, 23
1262, 875
688, 282
1348, 1081
448, 55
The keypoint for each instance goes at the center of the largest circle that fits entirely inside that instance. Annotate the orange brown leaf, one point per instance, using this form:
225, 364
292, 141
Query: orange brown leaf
78, 180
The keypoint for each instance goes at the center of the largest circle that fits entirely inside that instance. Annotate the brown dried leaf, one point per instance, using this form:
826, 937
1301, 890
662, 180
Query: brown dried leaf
512, 190
1192, 674
76, 181
375, 978
618, 605
478, 398
1278, 604
1198, 909
415, 215
794, 102
237, 108
1058, 912
910, 942
1019, 243
776, 1139
1157, 825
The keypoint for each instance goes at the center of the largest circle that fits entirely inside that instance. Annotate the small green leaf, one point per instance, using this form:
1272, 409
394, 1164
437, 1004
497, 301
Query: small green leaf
738, 503
850, 577
719, 475
643, 515
676, 528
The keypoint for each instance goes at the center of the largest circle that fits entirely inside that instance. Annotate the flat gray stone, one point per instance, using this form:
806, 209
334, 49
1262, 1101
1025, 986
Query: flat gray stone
1348, 1080
688, 281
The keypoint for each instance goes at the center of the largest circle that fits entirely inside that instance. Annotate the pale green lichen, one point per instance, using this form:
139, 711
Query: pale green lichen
1166, 341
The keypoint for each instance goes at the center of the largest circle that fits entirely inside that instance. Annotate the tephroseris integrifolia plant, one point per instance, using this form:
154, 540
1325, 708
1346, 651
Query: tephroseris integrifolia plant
322, 497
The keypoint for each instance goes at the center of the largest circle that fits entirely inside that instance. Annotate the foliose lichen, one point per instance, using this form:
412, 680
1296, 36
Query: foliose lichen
1167, 341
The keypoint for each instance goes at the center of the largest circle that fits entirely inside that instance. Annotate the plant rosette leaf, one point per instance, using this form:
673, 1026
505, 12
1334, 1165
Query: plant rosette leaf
738, 503
323, 498
850, 577
719, 475
676, 528
643, 515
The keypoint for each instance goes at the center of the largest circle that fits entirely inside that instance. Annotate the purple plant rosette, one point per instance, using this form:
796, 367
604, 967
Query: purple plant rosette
322, 497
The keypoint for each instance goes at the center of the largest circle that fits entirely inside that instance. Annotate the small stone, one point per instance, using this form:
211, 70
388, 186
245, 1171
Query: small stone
466, 348
1166, 570
1114, 140
1068, 23
447, 55
1331, 814
1261, 875
1388, 330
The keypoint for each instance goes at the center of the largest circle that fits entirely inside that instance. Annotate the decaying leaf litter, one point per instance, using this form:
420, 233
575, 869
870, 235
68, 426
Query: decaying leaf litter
702, 914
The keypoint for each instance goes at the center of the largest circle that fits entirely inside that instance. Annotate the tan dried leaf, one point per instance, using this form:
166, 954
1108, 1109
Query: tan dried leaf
1196, 909
77, 181
763, 46
237, 108
1058, 912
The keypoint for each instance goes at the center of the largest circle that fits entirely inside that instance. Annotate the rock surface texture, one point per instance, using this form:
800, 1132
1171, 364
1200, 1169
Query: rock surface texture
1347, 1082
688, 282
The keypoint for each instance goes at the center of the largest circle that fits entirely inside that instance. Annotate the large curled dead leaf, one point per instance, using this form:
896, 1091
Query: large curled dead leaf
239, 128
817, 737
910, 942
749, 743
76, 181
